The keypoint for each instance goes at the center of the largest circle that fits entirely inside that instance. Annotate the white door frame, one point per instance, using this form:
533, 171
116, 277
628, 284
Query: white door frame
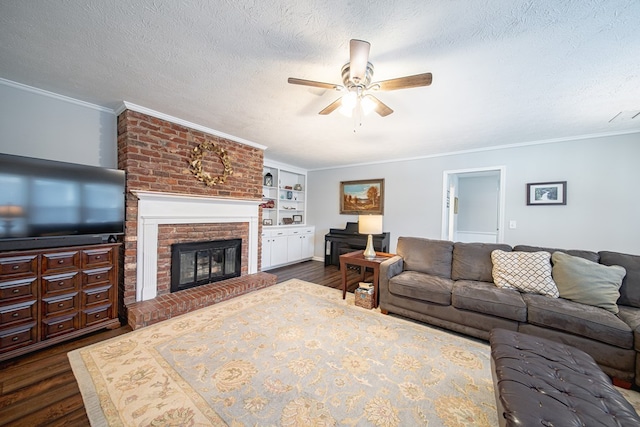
447, 211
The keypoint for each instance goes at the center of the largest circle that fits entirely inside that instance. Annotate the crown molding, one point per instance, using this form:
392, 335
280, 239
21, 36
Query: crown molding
57, 96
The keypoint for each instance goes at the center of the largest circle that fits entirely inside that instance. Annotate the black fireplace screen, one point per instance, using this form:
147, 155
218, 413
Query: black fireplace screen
201, 263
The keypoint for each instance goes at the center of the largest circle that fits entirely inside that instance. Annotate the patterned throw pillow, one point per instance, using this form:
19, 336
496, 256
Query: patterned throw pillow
525, 271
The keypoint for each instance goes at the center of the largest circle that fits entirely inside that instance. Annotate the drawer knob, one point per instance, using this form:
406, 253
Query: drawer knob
60, 261
15, 315
98, 277
60, 326
97, 316
98, 257
61, 284
15, 267
98, 296
15, 339
15, 291
61, 304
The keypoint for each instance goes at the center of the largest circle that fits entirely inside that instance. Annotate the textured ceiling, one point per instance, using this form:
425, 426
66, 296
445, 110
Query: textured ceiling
504, 71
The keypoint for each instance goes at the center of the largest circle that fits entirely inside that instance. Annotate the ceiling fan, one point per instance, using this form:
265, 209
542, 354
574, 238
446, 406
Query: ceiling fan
356, 79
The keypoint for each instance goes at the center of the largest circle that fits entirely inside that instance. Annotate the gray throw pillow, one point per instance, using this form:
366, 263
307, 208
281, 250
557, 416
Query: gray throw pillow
587, 282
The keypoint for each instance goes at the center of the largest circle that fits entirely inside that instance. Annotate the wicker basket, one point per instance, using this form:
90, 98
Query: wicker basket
364, 298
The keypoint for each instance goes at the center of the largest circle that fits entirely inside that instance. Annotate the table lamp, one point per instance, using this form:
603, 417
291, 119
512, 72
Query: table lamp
370, 224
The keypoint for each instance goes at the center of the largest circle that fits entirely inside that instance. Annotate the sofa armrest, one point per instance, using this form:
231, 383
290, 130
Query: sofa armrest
388, 268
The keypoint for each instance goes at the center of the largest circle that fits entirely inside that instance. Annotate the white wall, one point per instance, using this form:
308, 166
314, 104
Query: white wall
41, 124
478, 203
603, 199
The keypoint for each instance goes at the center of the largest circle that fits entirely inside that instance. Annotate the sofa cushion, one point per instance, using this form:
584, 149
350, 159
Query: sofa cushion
578, 319
525, 271
630, 289
587, 282
425, 287
426, 255
472, 261
591, 256
486, 298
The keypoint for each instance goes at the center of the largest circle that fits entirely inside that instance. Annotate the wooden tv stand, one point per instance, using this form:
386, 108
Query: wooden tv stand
52, 295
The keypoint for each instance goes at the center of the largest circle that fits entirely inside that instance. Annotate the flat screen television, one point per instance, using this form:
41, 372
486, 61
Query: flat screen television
46, 203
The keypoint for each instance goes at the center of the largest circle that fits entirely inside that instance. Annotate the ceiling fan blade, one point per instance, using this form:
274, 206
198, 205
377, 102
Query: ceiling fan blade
359, 58
313, 83
332, 107
405, 82
380, 107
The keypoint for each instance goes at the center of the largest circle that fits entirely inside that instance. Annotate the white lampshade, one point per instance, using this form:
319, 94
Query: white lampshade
370, 224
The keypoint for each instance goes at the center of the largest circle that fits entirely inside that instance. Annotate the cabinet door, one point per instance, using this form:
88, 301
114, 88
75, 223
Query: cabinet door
278, 249
266, 251
294, 247
307, 244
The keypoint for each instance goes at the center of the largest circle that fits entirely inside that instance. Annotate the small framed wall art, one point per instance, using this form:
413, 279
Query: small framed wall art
267, 221
547, 193
297, 219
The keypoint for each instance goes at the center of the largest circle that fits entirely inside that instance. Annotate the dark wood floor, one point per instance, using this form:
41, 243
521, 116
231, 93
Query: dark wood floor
39, 389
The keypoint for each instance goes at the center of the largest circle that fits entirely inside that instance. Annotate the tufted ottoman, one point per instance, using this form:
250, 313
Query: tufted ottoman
539, 382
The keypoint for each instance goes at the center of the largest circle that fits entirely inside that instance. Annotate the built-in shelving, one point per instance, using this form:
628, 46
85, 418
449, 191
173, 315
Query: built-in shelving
284, 201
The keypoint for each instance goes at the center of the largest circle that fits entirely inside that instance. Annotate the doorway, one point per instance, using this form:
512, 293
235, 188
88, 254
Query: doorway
473, 205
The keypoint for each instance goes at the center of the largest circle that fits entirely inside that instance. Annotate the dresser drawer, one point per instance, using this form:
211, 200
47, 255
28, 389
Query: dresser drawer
60, 283
60, 261
97, 276
96, 296
97, 315
97, 257
11, 314
59, 325
18, 289
20, 336
60, 305
27, 264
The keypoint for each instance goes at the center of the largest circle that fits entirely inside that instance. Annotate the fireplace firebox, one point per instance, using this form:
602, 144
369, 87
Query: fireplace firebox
200, 263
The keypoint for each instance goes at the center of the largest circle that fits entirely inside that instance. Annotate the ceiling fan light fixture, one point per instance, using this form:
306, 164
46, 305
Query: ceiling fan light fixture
349, 102
367, 105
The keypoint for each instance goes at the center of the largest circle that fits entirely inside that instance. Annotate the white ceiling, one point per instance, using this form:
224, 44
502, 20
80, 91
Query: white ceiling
504, 71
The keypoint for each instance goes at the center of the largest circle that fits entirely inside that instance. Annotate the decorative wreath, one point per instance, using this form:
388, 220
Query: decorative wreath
196, 164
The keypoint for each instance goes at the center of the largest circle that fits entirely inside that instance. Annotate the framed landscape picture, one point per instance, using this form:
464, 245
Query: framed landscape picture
547, 193
362, 197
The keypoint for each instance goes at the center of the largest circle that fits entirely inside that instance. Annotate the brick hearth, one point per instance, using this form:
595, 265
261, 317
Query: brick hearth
163, 307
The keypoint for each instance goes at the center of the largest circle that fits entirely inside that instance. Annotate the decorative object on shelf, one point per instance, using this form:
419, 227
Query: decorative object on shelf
268, 180
288, 187
362, 197
287, 221
297, 187
370, 224
267, 221
547, 193
269, 204
196, 163
289, 195
297, 219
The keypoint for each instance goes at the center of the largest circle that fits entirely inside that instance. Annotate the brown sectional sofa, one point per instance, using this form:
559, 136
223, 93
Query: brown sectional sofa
450, 285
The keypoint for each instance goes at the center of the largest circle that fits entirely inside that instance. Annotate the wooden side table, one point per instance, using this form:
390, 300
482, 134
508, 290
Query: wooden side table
356, 258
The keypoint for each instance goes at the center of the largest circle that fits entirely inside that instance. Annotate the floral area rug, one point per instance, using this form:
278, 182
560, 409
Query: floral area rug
294, 354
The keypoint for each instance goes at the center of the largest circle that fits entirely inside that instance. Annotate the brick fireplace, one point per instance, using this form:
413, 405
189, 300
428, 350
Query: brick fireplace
166, 204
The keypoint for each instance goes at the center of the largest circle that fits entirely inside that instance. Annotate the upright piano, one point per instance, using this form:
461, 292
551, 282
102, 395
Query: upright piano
341, 241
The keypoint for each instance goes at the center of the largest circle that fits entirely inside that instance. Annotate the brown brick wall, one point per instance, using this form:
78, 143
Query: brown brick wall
156, 155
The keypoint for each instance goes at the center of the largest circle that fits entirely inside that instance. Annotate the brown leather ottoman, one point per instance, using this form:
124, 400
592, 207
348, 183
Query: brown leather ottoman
539, 382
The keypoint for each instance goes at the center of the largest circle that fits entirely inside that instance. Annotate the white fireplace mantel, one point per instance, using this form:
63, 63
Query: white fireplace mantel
156, 208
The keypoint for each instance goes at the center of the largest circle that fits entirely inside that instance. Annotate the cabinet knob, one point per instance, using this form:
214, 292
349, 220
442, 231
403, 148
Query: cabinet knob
15, 267
98, 296
98, 256
60, 261
15, 315
98, 277
60, 326
61, 284
15, 339
97, 316
15, 291
61, 304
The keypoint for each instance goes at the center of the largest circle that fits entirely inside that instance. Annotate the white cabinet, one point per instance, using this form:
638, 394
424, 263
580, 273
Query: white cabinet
284, 199
286, 245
